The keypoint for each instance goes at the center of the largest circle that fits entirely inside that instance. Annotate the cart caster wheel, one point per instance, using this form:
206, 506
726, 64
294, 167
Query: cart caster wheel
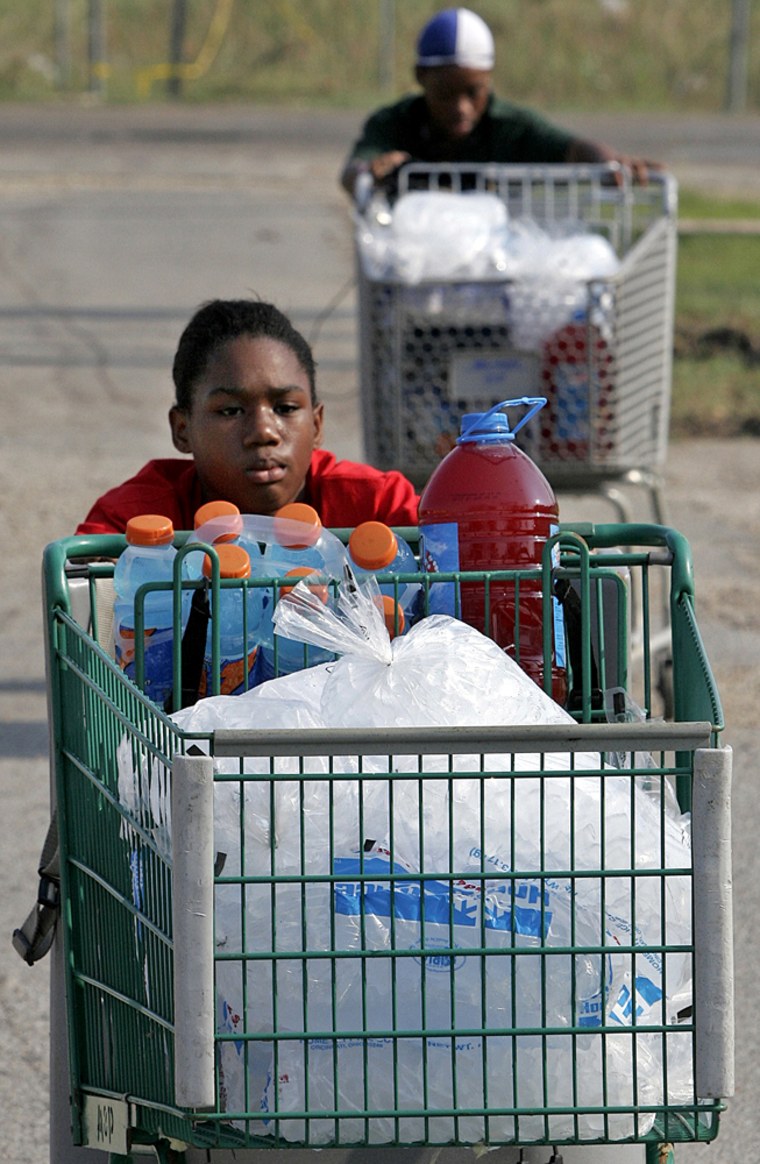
665, 688
660, 1154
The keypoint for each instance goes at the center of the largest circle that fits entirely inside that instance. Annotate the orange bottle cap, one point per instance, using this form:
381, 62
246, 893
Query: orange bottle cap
373, 545
233, 562
307, 517
215, 509
149, 529
222, 519
319, 588
388, 607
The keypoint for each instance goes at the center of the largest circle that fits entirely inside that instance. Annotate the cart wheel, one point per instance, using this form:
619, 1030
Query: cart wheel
660, 1154
665, 687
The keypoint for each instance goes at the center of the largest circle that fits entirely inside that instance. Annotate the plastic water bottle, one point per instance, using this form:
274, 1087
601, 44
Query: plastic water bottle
374, 548
148, 557
237, 611
578, 378
299, 547
299, 539
393, 613
219, 523
488, 506
279, 655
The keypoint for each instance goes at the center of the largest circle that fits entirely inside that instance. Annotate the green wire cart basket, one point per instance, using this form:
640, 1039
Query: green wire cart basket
340, 939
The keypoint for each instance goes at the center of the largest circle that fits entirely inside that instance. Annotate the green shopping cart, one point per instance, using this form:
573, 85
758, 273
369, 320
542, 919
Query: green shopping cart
354, 938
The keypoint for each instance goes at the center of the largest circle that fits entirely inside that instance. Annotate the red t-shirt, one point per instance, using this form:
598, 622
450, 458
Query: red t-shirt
344, 493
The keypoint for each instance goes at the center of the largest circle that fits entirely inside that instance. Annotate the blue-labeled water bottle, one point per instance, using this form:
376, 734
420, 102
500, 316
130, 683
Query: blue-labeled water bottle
299, 546
148, 557
237, 612
218, 523
374, 548
279, 655
299, 539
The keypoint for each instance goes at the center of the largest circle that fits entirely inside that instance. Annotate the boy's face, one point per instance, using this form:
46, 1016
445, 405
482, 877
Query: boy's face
252, 426
456, 98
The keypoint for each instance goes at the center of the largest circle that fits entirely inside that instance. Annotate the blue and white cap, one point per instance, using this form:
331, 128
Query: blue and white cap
456, 36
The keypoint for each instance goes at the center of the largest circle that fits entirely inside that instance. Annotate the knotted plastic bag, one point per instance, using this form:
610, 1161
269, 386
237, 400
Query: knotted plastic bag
443, 673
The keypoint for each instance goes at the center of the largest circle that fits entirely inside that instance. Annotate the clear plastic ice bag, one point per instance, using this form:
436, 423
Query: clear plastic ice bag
453, 813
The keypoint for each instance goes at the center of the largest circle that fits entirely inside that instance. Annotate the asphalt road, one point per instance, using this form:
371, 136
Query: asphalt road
114, 225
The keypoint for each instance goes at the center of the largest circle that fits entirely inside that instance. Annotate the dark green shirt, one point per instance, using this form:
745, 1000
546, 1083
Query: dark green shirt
505, 133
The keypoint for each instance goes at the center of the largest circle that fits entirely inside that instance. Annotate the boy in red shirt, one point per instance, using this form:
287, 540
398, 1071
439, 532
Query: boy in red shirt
247, 412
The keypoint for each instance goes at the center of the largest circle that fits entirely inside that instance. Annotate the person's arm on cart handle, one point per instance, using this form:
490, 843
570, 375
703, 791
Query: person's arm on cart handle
457, 118
594, 152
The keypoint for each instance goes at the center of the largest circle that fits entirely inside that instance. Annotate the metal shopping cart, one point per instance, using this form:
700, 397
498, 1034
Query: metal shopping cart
438, 340
407, 937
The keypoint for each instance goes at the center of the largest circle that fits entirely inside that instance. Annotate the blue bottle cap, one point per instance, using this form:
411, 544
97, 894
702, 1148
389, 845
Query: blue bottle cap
485, 427
486, 421
494, 425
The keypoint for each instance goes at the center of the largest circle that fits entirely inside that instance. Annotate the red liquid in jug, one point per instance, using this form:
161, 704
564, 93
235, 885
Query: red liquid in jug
501, 510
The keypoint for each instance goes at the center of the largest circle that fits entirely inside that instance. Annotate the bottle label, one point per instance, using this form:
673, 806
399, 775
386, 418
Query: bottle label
231, 676
571, 381
159, 659
439, 554
560, 652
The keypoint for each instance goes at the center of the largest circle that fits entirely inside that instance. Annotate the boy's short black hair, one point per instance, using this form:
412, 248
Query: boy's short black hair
221, 320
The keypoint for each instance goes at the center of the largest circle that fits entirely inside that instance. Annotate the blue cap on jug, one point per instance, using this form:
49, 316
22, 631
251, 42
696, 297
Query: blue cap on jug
494, 425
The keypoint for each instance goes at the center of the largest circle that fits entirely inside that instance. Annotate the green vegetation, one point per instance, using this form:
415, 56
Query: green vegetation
694, 205
555, 54
716, 370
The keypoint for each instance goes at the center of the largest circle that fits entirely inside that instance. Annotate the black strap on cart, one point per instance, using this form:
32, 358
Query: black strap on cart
35, 937
571, 605
193, 650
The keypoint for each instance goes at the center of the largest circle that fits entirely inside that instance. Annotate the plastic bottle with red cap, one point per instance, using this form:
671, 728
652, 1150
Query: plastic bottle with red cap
375, 549
148, 557
236, 611
487, 506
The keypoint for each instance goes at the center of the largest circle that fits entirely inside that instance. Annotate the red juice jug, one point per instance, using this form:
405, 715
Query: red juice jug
487, 506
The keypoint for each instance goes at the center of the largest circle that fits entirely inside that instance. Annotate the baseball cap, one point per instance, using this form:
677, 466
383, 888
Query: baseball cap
456, 36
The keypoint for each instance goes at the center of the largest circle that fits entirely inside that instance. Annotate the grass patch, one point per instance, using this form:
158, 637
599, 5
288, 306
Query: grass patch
716, 397
552, 54
716, 367
692, 204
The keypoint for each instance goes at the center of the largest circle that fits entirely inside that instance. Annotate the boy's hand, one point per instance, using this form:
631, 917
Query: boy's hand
586, 151
384, 165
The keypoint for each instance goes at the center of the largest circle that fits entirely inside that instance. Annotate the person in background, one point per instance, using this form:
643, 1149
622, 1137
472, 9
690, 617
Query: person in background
247, 416
457, 117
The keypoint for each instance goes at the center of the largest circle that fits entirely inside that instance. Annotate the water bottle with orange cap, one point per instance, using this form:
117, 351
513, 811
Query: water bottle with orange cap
148, 557
299, 547
279, 655
375, 549
235, 614
219, 523
393, 614
299, 539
